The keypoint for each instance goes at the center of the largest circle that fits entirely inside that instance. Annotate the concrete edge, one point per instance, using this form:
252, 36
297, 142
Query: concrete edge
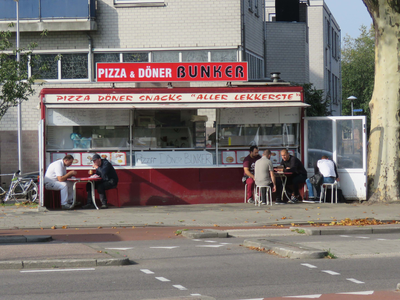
286, 250
204, 233
63, 263
346, 230
14, 239
185, 298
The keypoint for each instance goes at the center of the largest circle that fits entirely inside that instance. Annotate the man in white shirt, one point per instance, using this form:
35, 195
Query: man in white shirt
56, 177
264, 174
328, 169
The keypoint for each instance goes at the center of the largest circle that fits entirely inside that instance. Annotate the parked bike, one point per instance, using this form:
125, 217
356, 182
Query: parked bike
21, 189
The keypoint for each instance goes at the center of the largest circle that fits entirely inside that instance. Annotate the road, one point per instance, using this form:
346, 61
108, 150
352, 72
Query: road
218, 268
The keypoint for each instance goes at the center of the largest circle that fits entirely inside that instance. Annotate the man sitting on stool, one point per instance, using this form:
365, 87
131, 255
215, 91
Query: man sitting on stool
109, 181
248, 168
328, 169
264, 173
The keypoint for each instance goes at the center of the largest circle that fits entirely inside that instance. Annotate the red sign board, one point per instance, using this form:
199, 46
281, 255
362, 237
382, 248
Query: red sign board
171, 72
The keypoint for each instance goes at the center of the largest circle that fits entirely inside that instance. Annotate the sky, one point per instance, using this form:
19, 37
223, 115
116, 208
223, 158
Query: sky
350, 15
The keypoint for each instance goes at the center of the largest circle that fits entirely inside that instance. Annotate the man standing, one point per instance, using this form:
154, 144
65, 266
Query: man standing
299, 175
56, 177
264, 174
109, 177
248, 167
328, 169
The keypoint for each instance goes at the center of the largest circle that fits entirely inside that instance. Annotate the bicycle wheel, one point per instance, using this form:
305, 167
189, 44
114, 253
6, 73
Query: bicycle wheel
2, 194
33, 194
17, 192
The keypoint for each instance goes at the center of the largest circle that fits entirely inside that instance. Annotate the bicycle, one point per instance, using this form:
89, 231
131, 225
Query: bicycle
21, 189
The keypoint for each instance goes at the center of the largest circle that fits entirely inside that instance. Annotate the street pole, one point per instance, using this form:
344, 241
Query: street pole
352, 98
352, 112
19, 124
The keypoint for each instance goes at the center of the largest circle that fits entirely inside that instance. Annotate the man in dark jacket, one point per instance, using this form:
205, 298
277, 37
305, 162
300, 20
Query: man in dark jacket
109, 177
294, 165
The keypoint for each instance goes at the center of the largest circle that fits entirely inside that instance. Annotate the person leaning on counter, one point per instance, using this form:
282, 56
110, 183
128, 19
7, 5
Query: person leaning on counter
109, 177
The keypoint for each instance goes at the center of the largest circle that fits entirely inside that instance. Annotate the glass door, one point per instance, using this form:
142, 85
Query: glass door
344, 140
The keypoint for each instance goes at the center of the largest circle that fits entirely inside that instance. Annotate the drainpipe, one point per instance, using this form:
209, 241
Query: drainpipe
243, 32
90, 58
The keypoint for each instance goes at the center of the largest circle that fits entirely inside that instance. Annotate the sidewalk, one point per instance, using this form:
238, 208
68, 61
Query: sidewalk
218, 218
200, 215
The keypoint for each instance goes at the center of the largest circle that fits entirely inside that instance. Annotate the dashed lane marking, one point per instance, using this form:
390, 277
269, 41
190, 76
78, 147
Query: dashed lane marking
309, 266
210, 241
57, 270
345, 236
365, 293
355, 280
330, 272
171, 247
122, 249
147, 271
316, 296
362, 237
162, 279
180, 287
210, 246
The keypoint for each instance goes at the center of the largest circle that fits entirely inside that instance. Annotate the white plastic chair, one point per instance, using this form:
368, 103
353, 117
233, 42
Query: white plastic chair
257, 195
333, 187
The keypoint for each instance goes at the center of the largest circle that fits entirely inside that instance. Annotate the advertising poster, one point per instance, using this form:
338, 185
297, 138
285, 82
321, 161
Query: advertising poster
118, 158
77, 159
240, 156
276, 157
58, 156
87, 158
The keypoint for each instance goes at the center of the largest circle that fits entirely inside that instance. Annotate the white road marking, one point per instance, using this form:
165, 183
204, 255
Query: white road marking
225, 243
196, 240
330, 272
344, 235
172, 247
355, 280
357, 293
195, 294
180, 287
254, 299
316, 296
162, 279
309, 266
122, 249
210, 246
210, 241
381, 239
362, 237
57, 270
146, 271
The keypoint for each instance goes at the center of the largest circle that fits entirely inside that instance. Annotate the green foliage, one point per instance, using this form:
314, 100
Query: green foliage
15, 85
314, 97
358, 71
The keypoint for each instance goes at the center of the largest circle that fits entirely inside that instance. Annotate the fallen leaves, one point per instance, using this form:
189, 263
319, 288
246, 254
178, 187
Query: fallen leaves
356, 222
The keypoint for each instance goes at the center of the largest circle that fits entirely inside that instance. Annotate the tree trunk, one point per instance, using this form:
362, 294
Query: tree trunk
384, 141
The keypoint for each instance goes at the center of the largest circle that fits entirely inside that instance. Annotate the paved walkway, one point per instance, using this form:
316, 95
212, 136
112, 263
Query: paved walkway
242, 220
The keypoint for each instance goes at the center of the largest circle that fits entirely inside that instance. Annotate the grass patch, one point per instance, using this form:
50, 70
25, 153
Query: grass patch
301, 231
330, 255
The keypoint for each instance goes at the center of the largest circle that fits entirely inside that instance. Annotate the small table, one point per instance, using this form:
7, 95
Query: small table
283, 176
84, 179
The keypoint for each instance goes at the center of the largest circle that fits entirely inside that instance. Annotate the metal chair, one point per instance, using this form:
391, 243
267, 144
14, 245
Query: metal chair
257, 195
333, 187
245, 193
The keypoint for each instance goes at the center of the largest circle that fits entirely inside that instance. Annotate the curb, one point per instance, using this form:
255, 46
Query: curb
347, 230
204, 234
13, 239
285, 249
185, 298
63, 263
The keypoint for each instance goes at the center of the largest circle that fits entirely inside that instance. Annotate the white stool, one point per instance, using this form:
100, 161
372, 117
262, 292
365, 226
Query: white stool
332, 186
257, 195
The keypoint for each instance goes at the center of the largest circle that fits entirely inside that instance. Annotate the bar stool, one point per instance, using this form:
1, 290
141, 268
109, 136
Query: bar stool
257, 195
332, 186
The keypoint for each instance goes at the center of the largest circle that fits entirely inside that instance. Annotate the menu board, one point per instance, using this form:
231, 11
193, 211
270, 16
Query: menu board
77, 159
240, 156
118, 158
229, 157
276, 157
87, 158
